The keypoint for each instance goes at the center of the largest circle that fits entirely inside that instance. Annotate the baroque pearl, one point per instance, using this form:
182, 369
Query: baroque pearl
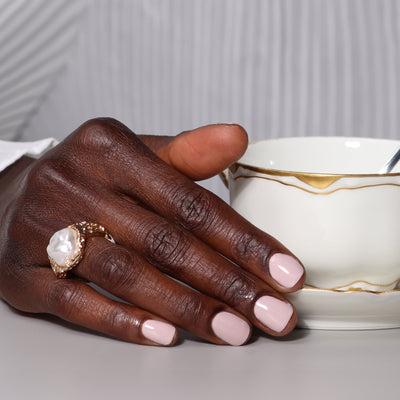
63, 246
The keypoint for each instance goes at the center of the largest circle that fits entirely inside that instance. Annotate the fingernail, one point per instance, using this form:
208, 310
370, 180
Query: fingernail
285, 270
158, 332
230, 328
273, 313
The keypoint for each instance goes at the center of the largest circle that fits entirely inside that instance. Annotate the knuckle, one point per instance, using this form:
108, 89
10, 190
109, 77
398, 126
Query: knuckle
246, 245
237, 288
99, 133
190, 309
63, 298
118, 268
45, 173
195, 206
117, 320
166, 244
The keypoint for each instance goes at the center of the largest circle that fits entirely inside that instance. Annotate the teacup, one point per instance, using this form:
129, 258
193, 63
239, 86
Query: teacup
324, 199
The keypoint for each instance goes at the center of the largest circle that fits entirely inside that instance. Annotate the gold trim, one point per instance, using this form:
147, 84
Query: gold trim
396, 282
311, 288
318, 181
224, 177
355, 289
310, 191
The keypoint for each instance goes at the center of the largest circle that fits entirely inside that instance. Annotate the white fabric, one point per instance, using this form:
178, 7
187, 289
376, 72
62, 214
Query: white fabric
12, 151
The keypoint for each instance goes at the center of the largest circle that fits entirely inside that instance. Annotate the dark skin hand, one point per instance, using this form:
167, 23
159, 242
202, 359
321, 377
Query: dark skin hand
142, 190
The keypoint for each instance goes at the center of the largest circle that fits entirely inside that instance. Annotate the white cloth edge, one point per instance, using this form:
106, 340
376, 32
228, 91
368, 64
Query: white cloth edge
10, 152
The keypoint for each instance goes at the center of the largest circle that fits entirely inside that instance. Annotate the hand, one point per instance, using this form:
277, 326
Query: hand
164, 226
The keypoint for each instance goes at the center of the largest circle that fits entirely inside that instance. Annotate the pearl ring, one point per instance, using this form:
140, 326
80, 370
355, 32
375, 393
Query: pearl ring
66, 246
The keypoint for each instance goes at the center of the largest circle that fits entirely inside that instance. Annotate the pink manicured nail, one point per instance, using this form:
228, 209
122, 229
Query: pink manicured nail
273, 313
285, 270
230, 328
158, 332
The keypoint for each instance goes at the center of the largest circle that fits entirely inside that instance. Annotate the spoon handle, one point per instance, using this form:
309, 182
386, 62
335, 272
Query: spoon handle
391, 163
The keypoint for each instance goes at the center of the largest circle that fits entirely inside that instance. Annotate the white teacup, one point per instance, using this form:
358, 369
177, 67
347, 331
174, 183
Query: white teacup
323, 198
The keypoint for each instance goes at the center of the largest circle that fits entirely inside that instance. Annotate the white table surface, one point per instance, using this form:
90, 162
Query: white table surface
42, 358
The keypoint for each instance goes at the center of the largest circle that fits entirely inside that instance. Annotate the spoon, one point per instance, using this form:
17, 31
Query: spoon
391, 163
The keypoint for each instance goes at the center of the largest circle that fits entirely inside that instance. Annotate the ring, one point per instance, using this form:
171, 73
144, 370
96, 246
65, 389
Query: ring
66, 246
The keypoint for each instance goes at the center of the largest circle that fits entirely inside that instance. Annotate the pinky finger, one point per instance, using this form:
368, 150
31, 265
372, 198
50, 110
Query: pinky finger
76, 302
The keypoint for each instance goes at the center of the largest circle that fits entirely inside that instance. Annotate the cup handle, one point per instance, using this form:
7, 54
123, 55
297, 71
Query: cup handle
224, 177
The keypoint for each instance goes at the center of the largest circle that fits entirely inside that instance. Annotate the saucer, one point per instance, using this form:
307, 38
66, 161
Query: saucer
330, 309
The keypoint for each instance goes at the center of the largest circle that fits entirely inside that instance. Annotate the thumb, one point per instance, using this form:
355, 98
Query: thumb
202, 152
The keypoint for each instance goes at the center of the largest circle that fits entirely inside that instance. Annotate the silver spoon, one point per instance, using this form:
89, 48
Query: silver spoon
391, 163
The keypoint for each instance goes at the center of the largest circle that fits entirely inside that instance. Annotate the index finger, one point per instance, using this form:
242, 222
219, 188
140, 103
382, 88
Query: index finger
136, 171
222, 228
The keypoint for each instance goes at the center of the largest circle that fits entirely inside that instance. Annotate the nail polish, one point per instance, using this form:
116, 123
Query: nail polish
230, 328
158, 332
273, 313
285, 270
